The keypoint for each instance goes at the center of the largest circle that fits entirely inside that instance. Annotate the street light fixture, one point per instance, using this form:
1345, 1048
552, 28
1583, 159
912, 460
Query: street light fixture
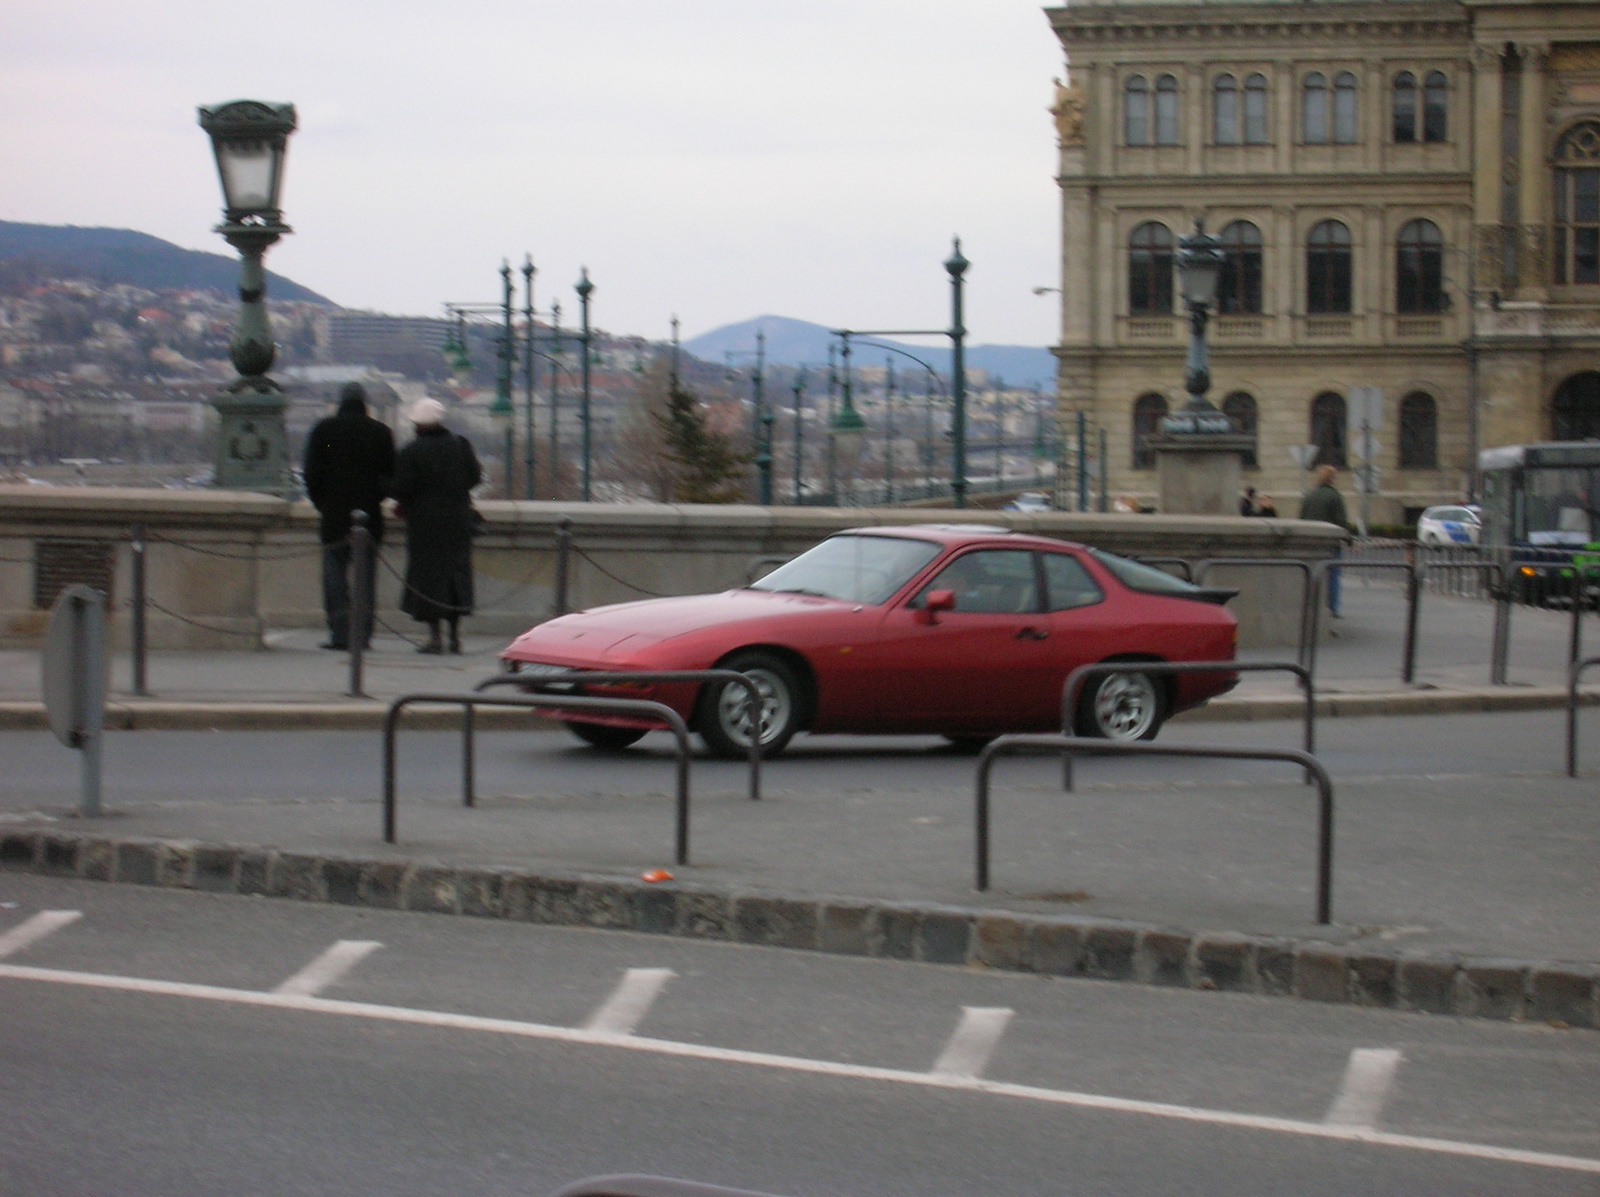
1199, 271
250, 139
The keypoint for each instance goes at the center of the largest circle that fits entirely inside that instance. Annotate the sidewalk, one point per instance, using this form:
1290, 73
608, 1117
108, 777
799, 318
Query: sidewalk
292, 683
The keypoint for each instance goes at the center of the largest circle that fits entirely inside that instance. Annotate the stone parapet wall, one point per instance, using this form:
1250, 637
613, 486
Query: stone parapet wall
223, 567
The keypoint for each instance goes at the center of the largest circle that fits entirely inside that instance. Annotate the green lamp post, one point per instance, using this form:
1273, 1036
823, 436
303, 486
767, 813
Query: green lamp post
848, 430
585, 288
501, 408
250, 139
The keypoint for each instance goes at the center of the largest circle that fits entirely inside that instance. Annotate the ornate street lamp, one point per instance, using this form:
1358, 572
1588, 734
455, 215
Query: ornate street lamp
1199, 271
956, 266
585, 288
501, 409
250, 139
848, 430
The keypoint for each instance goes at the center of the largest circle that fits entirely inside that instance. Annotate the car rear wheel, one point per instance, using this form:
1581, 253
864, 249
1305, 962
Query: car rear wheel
724, 717
1121, 706
604, 735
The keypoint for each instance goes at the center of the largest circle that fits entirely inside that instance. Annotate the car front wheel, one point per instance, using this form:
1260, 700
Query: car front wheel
1121, 706
725, 720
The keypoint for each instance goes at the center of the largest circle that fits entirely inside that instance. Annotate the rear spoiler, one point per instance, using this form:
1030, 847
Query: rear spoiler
1209, 594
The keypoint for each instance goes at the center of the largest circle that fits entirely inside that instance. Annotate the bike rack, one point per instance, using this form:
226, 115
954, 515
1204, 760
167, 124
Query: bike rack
1074, 684
1068, 746
1573, 674
1500, 651
1181, 562
1307, 653
1408, 653
628, 677
469, 701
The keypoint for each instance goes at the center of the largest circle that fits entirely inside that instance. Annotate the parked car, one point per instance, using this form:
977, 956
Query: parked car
963, 631
1451, 524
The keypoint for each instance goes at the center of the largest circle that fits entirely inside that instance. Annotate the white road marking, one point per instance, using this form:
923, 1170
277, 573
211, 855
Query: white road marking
630, 1001
863, 1072
32, 930
1367, 1080
328, 967
975, 1038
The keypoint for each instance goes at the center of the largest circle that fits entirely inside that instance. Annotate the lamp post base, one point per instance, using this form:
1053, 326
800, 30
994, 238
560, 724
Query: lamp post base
253, 441
1200, 475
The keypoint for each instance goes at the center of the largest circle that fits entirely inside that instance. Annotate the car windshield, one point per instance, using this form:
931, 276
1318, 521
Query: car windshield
856, 569
1136, 575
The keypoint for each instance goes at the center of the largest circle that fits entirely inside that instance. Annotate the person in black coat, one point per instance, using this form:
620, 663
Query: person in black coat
433, 482
349, 463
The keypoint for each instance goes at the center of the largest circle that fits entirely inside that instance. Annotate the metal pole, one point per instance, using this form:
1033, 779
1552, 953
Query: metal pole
563, 562
1502, 630
1408, 670
508, 362
888, 431
799, 456
1575, 641
956, 266
584, 289
833, 448
555, 401
140, 643
1105, 501
530, 377
1083, 462
762, 430
360, 618
88, 648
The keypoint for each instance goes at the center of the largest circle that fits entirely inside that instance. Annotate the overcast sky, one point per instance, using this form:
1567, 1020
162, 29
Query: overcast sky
719, 159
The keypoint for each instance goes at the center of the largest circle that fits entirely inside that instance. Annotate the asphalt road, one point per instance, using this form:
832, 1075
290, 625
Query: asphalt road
194, 1044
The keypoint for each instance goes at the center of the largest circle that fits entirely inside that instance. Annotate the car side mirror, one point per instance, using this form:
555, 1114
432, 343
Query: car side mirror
938, 600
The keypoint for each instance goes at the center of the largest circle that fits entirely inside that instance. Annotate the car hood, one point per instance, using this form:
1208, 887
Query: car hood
606, 632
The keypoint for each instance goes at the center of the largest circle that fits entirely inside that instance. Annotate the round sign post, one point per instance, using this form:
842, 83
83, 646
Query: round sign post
73, 681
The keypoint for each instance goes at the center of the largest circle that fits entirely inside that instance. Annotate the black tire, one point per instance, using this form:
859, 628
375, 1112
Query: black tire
968, 745
722, 717
1121, 706
605, 736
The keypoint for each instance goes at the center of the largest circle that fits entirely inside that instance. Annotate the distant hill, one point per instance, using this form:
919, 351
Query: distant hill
798, 342
132, 258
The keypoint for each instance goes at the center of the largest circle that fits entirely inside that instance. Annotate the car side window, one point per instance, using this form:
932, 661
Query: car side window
1068, 584
988, 582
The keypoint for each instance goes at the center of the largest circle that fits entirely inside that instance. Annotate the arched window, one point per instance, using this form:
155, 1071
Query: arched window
1575, 412
1240, 408
1314, 109
1344, 109
1225, 110
1150, 270
1167, 110
1436, 107
1405, 106
1327, 428
1136, 111
1255, 110
1419, 268
1239, 288
1328, 268
1419, 432
1148, 412
1577, 206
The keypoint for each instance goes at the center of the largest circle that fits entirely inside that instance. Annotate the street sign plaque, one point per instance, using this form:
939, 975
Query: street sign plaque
72, 680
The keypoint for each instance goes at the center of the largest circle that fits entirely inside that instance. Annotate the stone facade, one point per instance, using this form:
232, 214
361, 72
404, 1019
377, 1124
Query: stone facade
1399, 166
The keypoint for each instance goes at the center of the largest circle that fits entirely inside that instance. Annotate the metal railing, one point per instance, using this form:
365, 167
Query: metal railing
1067, 746
1162, 562
531, 684
1408, 651
1074, 684
1574, 672
1306, 654
469, 701
1500, 645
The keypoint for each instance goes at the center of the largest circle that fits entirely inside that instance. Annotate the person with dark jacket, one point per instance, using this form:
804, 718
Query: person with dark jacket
1324, 502
433, 482
348, 466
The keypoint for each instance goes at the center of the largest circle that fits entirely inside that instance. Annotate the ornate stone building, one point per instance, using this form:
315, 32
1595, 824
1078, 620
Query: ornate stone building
1408, 195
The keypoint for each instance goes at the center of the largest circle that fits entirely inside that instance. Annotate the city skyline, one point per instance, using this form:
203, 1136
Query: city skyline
712, 161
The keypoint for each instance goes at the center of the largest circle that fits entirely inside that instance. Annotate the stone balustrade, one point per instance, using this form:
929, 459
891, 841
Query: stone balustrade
224, 566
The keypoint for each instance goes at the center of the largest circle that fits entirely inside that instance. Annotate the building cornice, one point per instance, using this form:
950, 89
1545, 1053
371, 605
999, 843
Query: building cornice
1267, 182
1188, 24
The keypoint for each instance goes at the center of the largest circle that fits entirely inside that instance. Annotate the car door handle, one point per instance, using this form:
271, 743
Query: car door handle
1032, 634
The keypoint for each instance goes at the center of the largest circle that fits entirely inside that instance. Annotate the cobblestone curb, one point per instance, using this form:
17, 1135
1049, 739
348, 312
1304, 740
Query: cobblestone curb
1563, 994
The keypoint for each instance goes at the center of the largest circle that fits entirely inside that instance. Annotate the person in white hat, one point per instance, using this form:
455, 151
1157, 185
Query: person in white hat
434, 477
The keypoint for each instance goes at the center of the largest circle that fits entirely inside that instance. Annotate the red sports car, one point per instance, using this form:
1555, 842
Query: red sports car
962, 631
